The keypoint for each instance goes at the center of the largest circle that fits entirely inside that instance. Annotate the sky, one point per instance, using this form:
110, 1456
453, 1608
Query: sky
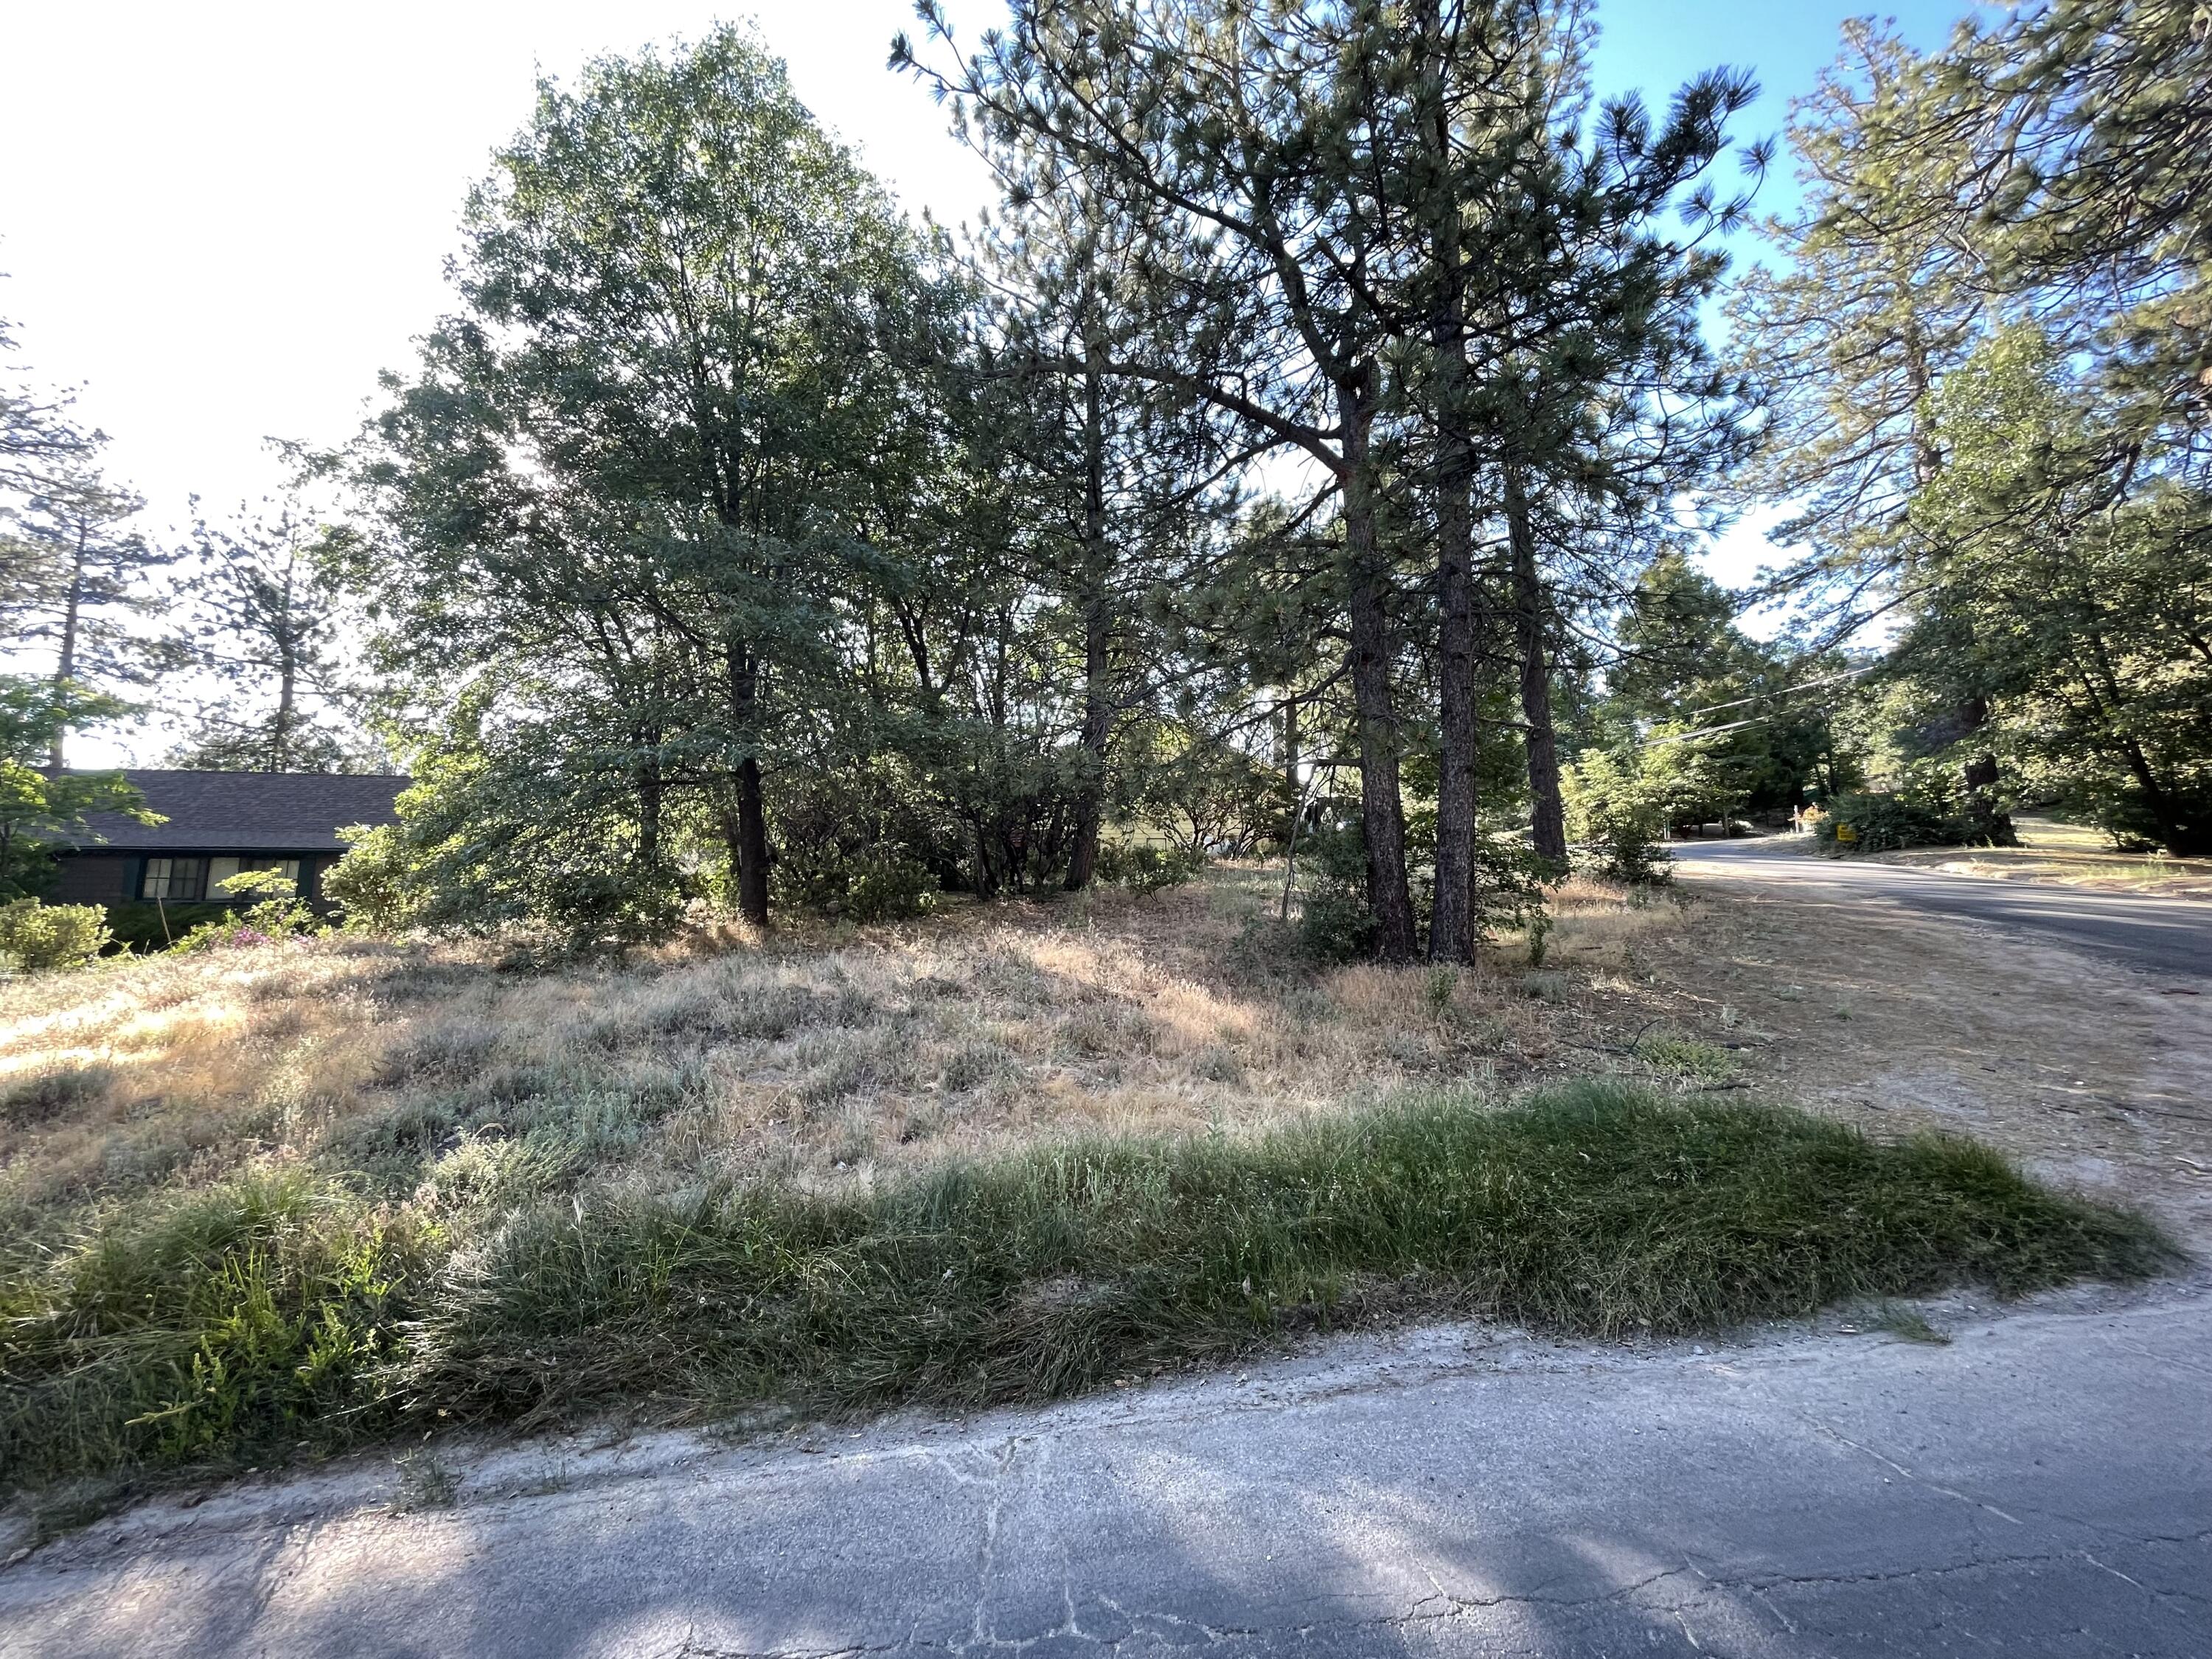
220, 221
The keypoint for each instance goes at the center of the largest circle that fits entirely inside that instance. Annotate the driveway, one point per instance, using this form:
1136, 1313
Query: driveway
2040, 1486
2161, 936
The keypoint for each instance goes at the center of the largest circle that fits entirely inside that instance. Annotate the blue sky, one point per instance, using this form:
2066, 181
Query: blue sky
1653, 46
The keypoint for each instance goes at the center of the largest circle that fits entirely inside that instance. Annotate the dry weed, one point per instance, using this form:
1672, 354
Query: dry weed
828, 1057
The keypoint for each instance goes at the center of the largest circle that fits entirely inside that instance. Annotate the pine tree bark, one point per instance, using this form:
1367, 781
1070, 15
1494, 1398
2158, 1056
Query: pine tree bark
1550, 832
1097, 708
1452, 924
1381, 809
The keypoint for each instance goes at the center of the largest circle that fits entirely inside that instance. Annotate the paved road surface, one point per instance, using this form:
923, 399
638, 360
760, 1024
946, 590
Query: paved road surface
2042, 1487
2163, 936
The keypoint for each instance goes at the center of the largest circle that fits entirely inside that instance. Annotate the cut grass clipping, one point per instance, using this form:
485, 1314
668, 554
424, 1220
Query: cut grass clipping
275, 1314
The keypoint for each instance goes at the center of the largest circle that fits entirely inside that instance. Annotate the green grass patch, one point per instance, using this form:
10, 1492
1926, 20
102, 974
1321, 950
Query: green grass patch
276, 1313
1686, 1058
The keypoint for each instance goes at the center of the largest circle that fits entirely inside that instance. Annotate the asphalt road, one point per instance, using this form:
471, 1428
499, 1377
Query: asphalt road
2041, 1487
2161, 936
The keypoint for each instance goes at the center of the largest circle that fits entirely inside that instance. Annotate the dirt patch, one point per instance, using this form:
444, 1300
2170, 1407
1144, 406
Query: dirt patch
2092, 1075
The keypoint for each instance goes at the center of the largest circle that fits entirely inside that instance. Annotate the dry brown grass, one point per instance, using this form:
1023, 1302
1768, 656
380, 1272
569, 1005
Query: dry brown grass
2072, 856
300, 1196
823, 1057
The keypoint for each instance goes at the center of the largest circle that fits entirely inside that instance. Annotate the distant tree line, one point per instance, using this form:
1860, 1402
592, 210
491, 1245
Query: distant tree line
230, 633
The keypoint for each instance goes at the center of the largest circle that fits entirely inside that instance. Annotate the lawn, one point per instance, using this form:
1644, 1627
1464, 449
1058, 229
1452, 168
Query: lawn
302, 1197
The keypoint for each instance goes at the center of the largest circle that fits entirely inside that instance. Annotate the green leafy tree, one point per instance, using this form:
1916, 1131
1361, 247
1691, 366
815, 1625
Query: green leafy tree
1770, 709
629, 497
40, 806
2085, 621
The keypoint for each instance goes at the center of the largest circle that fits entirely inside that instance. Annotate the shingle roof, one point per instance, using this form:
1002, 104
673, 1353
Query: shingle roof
247, 812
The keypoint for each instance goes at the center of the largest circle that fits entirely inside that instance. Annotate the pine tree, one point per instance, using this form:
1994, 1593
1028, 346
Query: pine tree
1871, 305
80, 583
1233, 135
267, 610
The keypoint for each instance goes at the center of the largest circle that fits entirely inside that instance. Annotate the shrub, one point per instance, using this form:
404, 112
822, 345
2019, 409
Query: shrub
1876, 821
1618, 816
144, 926
879, 883
1145, 869
886, 885
38, 938
369, 884
278, 912
1334, 924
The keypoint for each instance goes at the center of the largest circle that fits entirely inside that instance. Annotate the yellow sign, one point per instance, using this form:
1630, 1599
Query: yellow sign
1844, 832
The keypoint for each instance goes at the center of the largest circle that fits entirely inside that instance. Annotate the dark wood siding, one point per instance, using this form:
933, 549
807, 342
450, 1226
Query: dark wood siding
94, 879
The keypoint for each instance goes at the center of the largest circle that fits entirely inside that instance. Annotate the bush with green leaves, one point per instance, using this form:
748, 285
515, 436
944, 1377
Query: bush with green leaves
879, 883
369, 884
1616, 813
1883, 822
38, 938
1334, 922
1143, 868
141, 926
272, 909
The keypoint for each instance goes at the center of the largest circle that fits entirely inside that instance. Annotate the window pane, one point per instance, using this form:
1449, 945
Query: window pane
220, 871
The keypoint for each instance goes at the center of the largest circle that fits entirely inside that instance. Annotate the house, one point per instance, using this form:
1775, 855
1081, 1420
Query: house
218, 823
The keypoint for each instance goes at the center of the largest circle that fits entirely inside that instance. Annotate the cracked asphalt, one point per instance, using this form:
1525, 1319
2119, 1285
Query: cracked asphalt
2041, 1486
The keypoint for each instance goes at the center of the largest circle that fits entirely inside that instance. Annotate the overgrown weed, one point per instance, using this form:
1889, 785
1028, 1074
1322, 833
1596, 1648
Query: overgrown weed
273, 1313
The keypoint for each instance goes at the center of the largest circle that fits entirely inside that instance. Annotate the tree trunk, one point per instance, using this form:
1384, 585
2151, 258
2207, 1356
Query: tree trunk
1452, 924
650, 792
1381, 811
281, 749
65, 666
1098, 711
752, 844
1090, 800
1550, 818
752, 811
986, 879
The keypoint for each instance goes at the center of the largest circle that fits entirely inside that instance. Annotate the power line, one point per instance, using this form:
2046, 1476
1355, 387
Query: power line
1802, 685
